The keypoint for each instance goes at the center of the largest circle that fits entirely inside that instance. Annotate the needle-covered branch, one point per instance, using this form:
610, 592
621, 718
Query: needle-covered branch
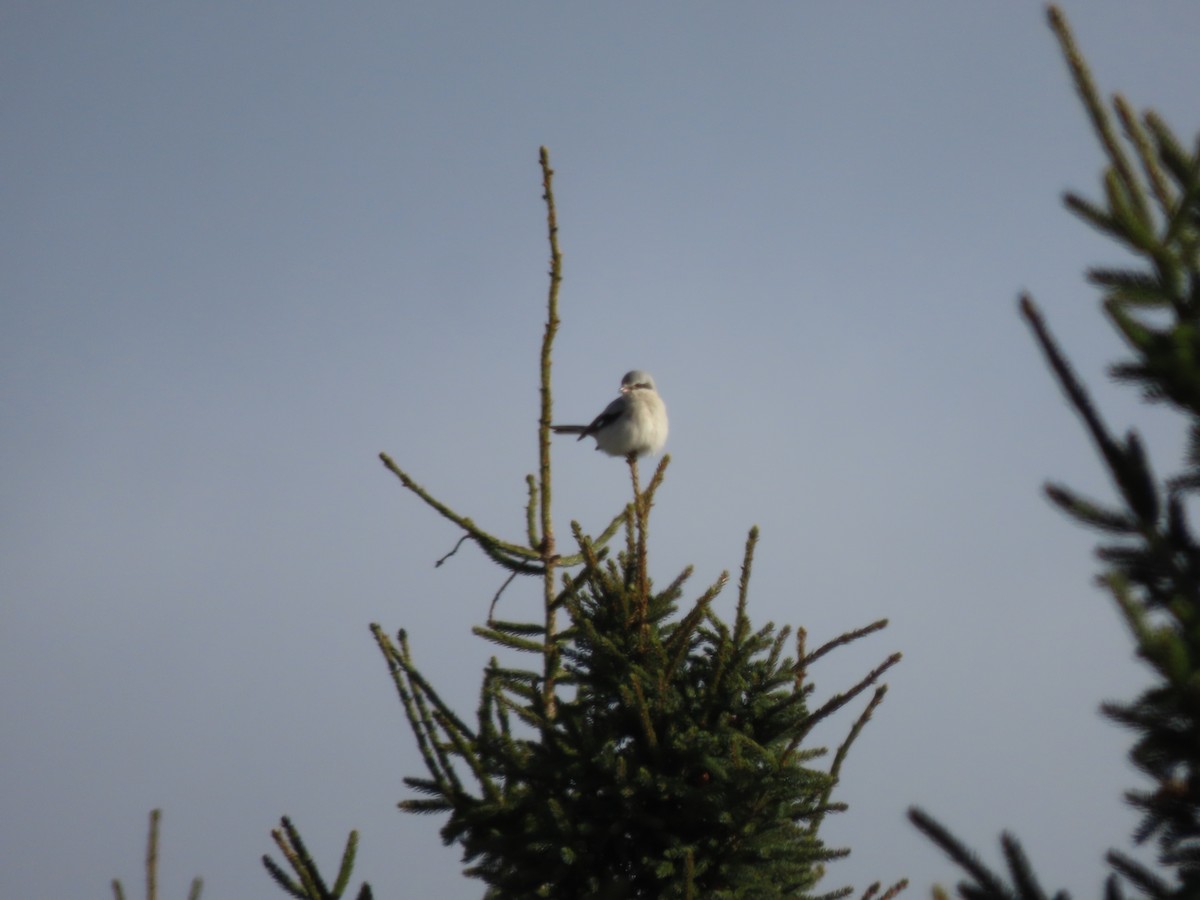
306, 882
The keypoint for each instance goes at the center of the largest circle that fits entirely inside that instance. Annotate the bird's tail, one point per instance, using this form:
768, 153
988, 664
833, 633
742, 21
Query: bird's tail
580, 430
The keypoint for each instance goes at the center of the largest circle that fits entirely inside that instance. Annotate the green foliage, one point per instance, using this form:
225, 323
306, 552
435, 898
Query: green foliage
308, 883
672, 765
1152, 558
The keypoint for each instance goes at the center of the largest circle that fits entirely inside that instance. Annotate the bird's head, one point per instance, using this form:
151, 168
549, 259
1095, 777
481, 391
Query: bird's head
637, 380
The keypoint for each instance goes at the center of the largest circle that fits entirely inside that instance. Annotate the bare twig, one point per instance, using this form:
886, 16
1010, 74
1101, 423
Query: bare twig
152, 856
438, 564
496, 599
548, 554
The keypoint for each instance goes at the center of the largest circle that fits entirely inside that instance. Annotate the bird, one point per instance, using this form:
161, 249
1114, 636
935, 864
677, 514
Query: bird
632, 425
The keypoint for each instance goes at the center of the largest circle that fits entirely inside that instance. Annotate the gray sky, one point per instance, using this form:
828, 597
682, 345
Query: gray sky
247, 246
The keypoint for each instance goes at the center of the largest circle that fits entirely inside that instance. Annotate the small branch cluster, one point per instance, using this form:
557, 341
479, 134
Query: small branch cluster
306, 882
152, 866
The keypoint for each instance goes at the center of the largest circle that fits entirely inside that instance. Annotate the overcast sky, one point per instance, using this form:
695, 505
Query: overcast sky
244, 247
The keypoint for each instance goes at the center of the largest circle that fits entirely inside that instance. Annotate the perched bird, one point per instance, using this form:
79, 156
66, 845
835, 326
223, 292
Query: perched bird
636, 422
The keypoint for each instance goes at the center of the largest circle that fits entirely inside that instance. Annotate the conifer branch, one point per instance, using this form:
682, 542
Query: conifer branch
630, 524
640, 516
602, 538
680, 641
347, 864
1086, 89
293, 850
1071, 386
151, 866
512, 642
463, 743
801, 667
840, 641
531, 511
552, 323
1090, 512
418, 718
1125, 208
656, 480
1024, 880
991, 885
152, 856
308, 883
1146, 156
777, 650
839, 757
1186, 173
1095, 216
423, 691
837, 701
550, 647
1138, 875
741, 623
281, 878
889, 894
639, 704
512, 556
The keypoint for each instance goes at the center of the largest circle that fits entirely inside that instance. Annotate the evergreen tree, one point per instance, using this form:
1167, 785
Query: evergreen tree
1152, 559
652, 749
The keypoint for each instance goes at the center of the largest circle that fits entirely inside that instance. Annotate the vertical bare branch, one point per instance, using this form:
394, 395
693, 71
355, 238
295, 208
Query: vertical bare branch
549, 556
152, 856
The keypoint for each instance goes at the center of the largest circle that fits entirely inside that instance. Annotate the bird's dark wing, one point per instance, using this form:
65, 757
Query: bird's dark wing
611, 413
